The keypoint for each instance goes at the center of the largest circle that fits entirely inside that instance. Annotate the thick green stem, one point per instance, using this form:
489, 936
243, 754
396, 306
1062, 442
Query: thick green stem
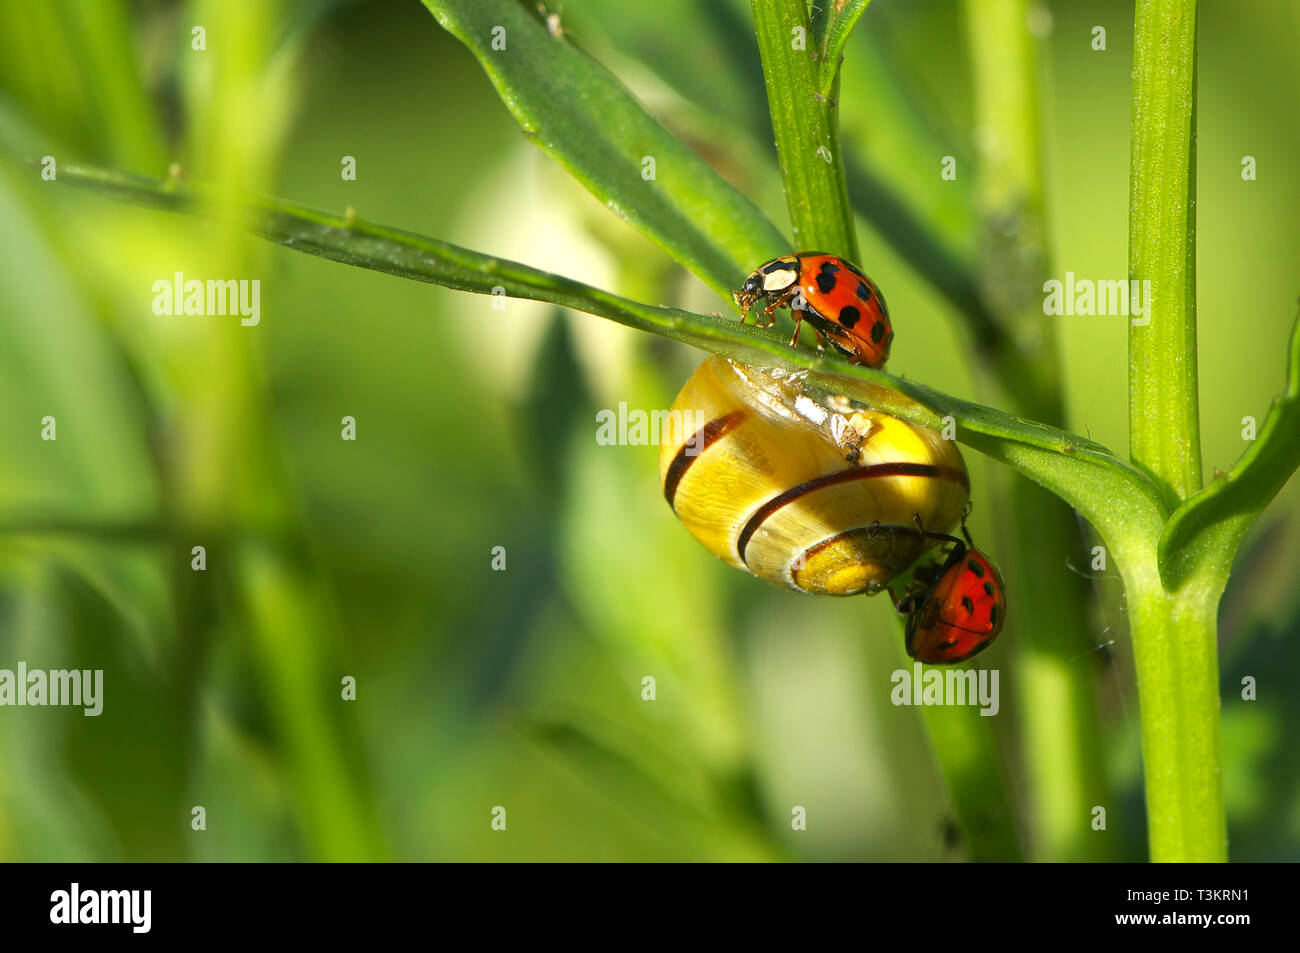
806, 128
1174, 645
1174, 632
1164, 418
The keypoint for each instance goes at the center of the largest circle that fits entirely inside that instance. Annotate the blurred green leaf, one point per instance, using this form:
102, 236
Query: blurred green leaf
578, 112
921, 245
287, 619
689, 45
119, 102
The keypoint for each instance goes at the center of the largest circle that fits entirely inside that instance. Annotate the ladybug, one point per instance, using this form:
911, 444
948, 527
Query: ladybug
842, 304
954, 609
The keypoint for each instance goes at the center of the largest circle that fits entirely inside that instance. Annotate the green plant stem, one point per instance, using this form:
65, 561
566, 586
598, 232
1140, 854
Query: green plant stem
1164, 419
806, 127
1174, 629
1175, 652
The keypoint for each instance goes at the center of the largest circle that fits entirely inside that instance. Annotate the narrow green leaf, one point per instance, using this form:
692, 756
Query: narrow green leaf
1206, 531
833, 21
1114, 496
578, 111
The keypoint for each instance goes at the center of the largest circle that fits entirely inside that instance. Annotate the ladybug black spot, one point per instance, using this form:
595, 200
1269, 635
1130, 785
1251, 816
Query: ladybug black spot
988, 588
864, 293
993, 615
877, 332
826, 277
849, 316
975, 567
968, 605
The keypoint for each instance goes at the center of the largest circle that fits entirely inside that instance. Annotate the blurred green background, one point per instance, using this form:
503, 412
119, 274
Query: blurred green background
476, 429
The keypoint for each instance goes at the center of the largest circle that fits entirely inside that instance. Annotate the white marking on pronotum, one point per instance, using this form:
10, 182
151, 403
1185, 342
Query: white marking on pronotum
779, 280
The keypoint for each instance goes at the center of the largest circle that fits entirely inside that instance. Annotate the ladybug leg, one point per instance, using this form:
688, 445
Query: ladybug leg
821, 340
916, 518
908, 604
798, 323
964, 531
779, 301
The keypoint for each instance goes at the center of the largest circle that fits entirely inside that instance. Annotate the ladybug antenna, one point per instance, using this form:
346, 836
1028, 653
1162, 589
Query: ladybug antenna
898, 603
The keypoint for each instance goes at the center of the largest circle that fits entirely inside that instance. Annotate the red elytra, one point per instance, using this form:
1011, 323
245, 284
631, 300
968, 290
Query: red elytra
842, 304
958, 614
